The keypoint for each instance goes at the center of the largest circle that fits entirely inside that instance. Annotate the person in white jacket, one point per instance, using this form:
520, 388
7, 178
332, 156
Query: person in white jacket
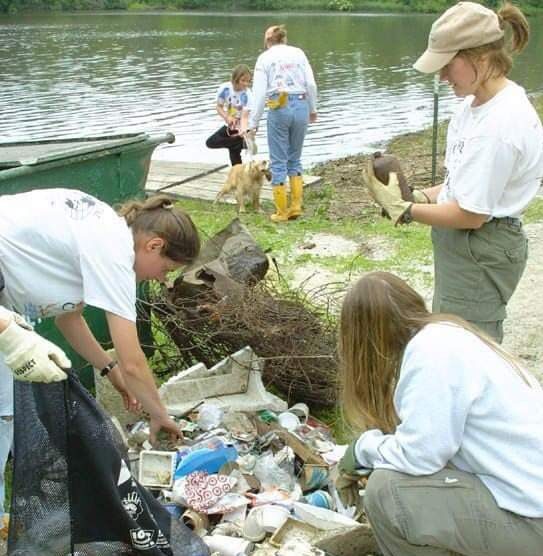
453, 428
62, 249
283, 81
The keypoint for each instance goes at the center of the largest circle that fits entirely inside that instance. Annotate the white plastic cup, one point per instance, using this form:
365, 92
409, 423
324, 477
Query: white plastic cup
228, 546
288, 421
272, 517
252, 526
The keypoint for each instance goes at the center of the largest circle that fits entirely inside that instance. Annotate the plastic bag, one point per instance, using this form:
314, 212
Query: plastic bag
271, 475
210, 417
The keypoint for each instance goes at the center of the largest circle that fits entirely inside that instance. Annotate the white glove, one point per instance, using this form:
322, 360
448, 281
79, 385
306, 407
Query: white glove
31, 357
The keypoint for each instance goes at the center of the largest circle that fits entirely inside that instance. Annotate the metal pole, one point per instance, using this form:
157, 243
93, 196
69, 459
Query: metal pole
434, 128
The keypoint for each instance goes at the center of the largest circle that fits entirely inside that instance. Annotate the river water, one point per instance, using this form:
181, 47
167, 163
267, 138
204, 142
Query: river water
69, 75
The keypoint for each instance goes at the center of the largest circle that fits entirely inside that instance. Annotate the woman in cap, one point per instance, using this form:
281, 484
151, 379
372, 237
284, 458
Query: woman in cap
494, 162
453, 428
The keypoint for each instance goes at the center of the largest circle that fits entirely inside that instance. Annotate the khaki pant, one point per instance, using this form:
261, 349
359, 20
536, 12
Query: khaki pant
450, 512
477, 271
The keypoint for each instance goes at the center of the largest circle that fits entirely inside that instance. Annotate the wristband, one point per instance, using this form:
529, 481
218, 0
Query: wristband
108, 368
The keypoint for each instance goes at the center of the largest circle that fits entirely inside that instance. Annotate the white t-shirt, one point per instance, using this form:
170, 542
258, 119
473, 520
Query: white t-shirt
62, 247
494, 155
282, 68
458, 401
234, 102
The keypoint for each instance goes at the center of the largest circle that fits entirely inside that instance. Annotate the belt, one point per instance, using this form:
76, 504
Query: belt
517, 222
280, 100
290, 96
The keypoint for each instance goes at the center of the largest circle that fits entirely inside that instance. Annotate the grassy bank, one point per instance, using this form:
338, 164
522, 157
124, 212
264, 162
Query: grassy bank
342, 208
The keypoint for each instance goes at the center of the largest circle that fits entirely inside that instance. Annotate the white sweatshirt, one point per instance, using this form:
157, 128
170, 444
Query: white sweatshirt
460, 402
281, 68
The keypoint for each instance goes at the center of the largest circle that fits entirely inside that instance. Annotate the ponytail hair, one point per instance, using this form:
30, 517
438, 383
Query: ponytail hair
277, 34
158, 216
500, 53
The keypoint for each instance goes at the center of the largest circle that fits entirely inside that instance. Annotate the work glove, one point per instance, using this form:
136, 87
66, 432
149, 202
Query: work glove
389, 197
347, 488
420, 197
349, 475
31, 357
348, 463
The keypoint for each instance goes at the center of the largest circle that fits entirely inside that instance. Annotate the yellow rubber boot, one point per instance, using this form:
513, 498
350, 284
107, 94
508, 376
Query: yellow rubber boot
296, 196
280, 200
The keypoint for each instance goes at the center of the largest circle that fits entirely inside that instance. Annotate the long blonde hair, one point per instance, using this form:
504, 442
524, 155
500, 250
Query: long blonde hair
379, 315
159, 216
499, 53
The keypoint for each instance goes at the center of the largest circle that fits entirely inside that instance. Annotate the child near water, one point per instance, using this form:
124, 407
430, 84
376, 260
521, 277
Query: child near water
233, 105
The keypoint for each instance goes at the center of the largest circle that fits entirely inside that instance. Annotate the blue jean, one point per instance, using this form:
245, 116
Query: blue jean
6, 440
286, 133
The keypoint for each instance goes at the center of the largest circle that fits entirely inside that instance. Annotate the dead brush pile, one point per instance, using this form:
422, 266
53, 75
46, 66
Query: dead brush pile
293, 331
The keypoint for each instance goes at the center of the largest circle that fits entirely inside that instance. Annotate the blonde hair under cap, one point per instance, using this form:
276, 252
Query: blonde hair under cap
465, 25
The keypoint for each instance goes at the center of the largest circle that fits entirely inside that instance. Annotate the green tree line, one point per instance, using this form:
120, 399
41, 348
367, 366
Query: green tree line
16, 6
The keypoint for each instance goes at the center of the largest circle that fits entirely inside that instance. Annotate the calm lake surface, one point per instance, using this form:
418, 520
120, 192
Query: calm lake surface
67, 75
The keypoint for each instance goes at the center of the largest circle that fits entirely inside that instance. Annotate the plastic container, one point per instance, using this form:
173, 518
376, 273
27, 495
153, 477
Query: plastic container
156, 469
205, 459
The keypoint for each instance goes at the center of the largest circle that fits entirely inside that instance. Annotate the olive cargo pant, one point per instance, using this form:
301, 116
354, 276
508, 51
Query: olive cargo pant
477, 271
444, 514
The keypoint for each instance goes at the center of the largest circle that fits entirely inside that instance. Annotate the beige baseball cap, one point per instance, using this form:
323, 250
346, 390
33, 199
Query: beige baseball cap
465, 25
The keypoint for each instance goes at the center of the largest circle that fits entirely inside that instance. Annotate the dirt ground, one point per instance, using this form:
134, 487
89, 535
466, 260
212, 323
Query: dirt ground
523, 328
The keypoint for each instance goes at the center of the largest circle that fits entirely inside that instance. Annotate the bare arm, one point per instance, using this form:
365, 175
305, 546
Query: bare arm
447, 215
75, 329
433, 192
244, 124
138, 375
223, 114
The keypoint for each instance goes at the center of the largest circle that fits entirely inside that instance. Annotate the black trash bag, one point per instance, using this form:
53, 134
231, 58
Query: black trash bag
73, 493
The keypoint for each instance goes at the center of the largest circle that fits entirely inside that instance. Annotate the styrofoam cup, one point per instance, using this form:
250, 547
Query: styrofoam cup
272, 517
228, 546
288, 420
252, 526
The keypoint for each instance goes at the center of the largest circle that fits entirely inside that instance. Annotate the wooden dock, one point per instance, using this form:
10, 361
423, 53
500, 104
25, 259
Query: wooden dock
192, 180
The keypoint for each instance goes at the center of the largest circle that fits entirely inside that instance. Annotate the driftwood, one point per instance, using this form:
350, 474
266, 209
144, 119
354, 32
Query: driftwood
294, 335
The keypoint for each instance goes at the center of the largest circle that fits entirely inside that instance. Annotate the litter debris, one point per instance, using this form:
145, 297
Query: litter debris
250, 479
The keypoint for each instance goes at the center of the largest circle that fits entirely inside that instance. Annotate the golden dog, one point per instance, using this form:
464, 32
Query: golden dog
246, 180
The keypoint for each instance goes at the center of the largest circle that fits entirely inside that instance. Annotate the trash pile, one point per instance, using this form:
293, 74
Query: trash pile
250, 475
250, 483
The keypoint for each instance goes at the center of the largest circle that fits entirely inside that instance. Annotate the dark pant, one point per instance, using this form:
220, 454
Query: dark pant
477, 271
221, 140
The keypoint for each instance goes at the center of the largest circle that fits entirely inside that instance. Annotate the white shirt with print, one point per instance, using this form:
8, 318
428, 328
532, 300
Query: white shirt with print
494, 155
459, 401
60, 248
282, 68
234, 102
